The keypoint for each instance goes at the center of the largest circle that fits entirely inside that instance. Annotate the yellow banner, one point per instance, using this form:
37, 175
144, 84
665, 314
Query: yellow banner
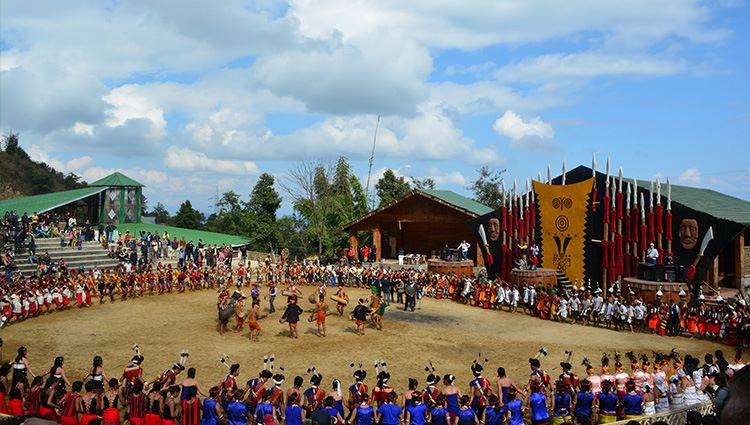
562, 219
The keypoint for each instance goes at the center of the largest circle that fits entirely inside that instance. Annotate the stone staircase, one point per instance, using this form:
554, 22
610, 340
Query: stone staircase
563, 282
91, 254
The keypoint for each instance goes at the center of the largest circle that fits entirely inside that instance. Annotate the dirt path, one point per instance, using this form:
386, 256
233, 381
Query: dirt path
447, 333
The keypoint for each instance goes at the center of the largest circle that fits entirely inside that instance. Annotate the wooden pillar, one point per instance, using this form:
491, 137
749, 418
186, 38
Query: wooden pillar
739, 258
715, 272
353, 244
376, 243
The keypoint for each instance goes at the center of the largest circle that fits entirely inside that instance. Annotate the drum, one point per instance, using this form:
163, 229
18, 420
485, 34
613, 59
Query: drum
339, 300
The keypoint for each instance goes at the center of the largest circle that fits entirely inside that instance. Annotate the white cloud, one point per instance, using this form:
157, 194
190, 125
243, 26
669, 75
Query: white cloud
128, 104
188, 160
532, 134
691, 175
442, 178
81, 128
560, 67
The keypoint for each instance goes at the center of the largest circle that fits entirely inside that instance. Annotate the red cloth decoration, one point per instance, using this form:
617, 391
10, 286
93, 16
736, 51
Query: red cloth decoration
612, 260
503, 262
690, 272
627, 234
618, 254
668, 233
627, 259
504, 216
593, 200
521, 228
651, 235
634, 214
643, 237
611, 274
532, 215
612, 218
605, 201
526, 222
659, 225
619, 205
660, 260
605, 254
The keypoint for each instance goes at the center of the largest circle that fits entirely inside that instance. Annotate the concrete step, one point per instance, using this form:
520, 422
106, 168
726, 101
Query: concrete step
101, 263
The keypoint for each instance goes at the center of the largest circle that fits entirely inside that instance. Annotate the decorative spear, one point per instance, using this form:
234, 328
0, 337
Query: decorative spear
668, 218
526, 211
634, 228
659, 226
593, 174
504, 218
563, 173
644, 244
522, 215
651, 234
605, 233
532, 214
612, 239
627, 235
618, 235
549, 174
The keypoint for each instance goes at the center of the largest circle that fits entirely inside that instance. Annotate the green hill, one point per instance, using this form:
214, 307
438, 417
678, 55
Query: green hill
20, 176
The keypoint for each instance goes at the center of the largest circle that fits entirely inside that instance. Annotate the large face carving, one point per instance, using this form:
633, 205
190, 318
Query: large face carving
494, 229
688, 233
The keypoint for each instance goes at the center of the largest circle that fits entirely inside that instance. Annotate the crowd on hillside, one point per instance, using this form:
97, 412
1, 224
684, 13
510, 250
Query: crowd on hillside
662, 384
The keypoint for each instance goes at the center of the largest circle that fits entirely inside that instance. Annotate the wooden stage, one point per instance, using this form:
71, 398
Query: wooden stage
647, 289
459, 268
539, 276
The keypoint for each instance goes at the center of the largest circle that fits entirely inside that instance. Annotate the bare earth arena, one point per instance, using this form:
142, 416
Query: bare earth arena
449, 334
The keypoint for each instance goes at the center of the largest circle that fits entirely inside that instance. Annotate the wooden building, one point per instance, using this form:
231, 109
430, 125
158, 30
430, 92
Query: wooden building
422, 222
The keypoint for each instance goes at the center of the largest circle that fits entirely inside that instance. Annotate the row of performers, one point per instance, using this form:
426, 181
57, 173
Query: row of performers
730, 323
674, 382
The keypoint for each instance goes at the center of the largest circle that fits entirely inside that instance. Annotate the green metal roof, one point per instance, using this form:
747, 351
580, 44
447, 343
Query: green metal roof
709, 201
116, 179
457, 200
47, 201
210, 238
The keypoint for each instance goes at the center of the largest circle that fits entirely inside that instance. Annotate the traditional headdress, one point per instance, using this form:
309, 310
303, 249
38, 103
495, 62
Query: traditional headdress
226, 361
381, 369
137, 358
433, 378
360, 374
183, 360
476, 366
566, 366
315, 377
278, 378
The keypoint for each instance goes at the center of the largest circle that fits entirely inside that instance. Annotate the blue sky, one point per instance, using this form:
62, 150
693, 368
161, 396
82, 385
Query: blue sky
189, 96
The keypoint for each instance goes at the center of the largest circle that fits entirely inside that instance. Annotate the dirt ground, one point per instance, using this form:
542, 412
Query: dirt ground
448, 334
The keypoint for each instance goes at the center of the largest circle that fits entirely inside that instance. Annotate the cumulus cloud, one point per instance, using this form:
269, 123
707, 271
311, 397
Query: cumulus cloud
188, 160
532, 134
691, 175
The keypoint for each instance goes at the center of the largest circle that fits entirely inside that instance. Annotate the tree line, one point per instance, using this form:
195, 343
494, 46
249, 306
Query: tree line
324, 197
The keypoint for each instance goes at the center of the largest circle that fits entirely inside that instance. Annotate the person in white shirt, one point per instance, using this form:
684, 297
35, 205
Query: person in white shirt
463, 248
652, 255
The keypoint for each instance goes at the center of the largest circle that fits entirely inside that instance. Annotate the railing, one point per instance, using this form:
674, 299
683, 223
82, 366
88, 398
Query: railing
674, 416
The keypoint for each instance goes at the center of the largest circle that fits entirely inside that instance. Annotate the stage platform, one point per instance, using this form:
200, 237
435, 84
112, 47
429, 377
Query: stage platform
544, 277
647, 289
459, 268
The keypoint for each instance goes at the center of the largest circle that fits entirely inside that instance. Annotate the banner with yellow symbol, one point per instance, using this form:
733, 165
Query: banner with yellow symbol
562, 221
